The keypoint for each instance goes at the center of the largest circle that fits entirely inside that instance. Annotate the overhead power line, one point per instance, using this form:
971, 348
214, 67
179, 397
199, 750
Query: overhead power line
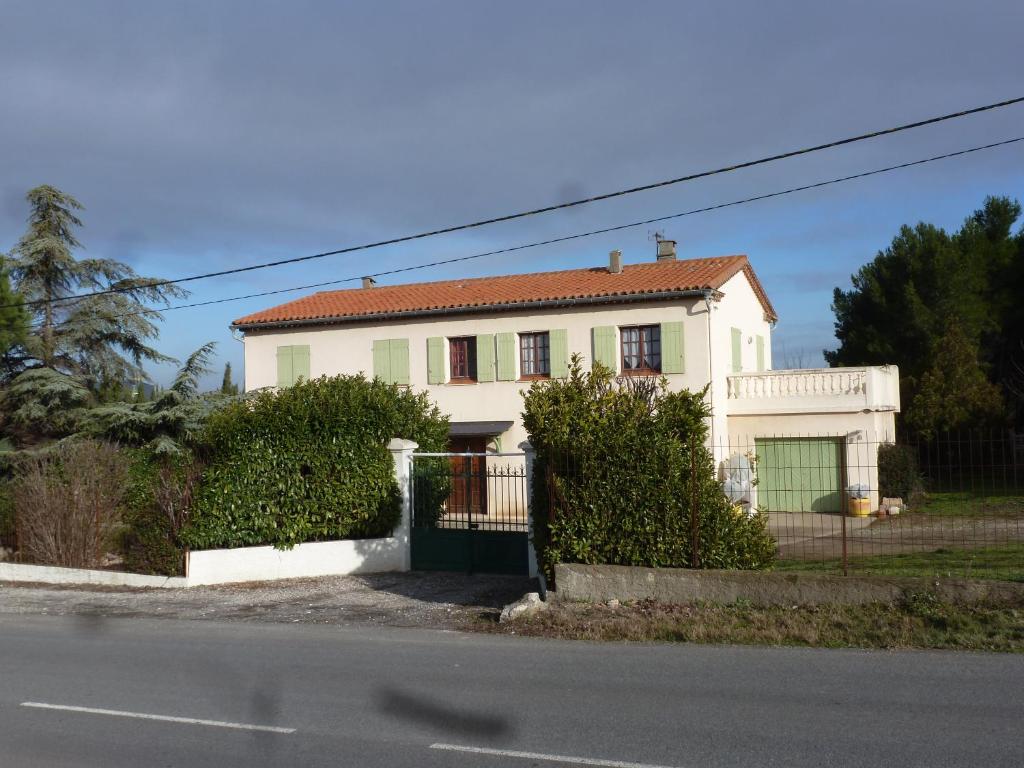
559, 206
579, 235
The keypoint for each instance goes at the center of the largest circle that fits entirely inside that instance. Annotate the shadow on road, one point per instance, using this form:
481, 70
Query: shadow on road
448, 719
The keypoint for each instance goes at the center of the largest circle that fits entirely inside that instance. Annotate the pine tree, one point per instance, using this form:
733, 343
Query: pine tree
13, 318
99, 338
228, 387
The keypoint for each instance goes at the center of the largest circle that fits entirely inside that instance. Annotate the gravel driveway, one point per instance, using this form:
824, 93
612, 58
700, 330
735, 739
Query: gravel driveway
429, 600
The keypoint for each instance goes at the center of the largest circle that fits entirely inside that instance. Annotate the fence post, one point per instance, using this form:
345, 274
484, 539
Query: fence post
531, 550
694, 520
401, 454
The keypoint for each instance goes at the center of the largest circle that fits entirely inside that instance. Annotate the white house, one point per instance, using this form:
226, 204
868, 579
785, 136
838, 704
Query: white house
476, 344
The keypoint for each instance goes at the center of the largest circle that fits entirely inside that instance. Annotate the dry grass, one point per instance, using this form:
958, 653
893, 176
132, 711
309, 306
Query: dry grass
920, 622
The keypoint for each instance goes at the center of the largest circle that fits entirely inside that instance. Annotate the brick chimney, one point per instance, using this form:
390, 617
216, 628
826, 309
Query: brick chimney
369, 282
615, 262
666, 250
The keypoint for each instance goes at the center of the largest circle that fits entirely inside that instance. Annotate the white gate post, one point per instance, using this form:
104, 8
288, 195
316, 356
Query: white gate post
401, 453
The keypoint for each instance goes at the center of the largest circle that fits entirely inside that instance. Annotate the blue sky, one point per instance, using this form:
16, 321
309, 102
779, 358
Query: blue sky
202, 136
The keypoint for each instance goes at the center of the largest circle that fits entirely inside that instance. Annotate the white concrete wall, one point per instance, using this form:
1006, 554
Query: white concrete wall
348, 349
323, 558
50, 574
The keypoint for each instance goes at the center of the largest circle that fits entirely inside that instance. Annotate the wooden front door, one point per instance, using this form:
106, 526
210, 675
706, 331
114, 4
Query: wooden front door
469, 478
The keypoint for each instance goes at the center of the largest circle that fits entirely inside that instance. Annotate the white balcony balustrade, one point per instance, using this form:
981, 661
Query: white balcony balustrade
814, 390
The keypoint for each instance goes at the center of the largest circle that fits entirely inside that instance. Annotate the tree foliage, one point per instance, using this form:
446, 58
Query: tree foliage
13, 318
101, 338
617, 469
902, 304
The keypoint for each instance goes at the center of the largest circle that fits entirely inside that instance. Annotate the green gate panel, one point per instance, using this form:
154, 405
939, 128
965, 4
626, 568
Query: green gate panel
799, 474
470, 550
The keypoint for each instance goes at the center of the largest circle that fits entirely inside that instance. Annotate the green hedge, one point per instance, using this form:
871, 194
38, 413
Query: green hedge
899, 474
308, 463
150, 543
613, 479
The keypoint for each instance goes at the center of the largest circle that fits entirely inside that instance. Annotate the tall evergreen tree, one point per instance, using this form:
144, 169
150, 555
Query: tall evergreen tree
227, 386
99, 338
13, 317
902, 303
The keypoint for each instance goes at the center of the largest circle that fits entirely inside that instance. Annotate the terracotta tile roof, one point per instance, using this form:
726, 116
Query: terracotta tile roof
509, 290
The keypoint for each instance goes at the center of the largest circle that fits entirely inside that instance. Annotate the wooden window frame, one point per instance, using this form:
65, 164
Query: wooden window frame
534, 337
642, 353
470, 347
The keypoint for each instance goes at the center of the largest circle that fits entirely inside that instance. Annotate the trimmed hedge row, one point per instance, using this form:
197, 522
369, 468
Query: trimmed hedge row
308, 463
617, 469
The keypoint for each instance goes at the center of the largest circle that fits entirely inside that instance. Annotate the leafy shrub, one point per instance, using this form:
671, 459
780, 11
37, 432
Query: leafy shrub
308, 463
899, 474
617, 467
68, 502
160, 496
7, 526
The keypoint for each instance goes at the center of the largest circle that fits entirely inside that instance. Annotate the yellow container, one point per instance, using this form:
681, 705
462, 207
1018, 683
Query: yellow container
859, 507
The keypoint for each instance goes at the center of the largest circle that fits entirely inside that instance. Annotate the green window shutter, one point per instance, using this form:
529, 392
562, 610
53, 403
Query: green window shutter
760, 353
381, 360
558, 350
506, 356
485, 357
285, 378
435, 360
672, 358
737, 350
604, 346
399, 360
300, 363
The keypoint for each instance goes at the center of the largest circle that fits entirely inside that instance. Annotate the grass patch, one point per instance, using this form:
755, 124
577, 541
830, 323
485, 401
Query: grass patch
1004, 563
968, 504
920, 622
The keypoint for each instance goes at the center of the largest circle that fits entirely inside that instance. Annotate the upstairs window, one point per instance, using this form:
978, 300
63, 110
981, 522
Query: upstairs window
535, 355
462, 353
641, 349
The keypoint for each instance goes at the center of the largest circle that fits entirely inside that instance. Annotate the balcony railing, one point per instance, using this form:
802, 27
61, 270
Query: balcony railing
815, 390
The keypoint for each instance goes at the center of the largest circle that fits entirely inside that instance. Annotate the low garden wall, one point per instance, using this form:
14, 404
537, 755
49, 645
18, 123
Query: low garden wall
680, 586
51, 574
324, 558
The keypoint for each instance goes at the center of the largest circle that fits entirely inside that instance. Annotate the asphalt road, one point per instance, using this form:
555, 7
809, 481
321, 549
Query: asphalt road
387, 697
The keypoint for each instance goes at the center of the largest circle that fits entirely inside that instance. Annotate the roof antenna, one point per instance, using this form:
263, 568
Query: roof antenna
656, 235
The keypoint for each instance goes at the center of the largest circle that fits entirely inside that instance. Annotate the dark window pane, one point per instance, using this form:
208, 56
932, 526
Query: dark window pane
534, 354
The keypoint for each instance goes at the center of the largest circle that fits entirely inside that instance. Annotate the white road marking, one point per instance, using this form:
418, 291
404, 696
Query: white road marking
164, 718
548, 758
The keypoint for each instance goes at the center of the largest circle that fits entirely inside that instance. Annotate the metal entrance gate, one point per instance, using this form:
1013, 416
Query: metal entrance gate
470, 513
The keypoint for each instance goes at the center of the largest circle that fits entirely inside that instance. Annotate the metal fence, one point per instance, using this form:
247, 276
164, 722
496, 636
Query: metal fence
470, 491
951, 505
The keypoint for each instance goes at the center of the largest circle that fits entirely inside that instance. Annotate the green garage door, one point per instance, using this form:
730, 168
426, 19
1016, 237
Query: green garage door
799, 474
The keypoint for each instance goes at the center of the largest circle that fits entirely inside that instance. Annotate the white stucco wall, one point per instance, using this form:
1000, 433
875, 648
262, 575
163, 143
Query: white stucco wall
740, 308
348, 349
